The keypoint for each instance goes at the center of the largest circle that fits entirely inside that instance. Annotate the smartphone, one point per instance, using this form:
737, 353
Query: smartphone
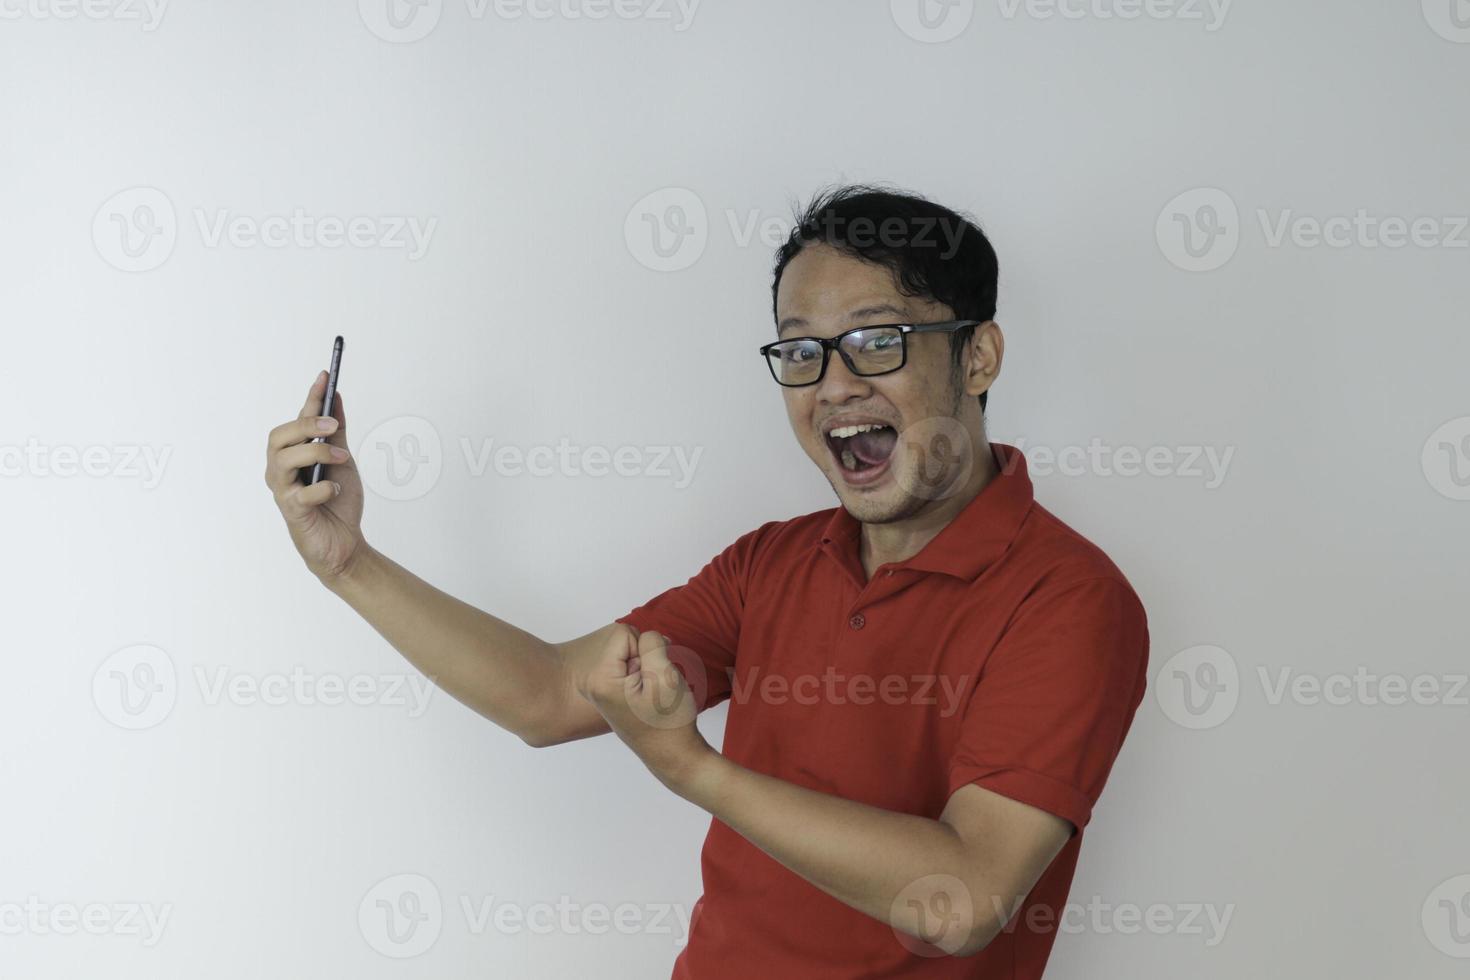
313, 473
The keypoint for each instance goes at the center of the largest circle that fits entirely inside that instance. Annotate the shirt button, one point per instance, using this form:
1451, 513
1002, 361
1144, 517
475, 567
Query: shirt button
858, 621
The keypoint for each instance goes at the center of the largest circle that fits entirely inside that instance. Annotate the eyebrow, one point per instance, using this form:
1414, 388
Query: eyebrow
887, 309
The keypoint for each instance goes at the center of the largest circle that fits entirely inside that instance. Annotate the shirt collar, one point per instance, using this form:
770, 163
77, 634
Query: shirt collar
978, 535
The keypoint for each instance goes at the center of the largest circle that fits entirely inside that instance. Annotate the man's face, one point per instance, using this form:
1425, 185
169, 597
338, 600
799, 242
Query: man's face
880, 476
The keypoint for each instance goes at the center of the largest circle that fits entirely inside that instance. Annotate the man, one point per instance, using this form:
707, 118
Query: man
928, 684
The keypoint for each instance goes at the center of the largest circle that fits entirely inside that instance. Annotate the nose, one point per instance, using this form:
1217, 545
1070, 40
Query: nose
839, 384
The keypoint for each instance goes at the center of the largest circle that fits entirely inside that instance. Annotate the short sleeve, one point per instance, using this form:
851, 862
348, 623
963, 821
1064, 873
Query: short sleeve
1055, 699
702, 619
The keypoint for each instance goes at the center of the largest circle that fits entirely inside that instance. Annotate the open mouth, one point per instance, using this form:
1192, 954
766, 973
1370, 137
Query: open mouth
862, 451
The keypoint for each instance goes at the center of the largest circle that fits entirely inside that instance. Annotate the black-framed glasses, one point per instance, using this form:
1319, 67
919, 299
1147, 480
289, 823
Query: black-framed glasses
881, 348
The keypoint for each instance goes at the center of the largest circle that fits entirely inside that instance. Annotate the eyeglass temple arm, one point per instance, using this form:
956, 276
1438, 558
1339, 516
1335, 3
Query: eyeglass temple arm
948, 325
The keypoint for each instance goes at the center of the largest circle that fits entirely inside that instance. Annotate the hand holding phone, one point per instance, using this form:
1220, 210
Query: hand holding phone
313, 473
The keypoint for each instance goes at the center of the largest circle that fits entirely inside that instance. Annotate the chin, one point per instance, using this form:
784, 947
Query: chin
877, 505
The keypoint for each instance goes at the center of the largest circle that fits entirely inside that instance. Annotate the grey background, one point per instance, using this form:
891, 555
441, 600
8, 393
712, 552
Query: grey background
1331, 834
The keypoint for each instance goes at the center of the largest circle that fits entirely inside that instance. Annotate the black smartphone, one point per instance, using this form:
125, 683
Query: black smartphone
313, 473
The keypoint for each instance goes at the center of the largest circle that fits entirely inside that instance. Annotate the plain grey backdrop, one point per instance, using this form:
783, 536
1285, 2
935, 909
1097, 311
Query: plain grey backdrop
1234, 279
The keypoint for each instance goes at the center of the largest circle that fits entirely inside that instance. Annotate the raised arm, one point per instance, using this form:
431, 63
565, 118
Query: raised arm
524, 684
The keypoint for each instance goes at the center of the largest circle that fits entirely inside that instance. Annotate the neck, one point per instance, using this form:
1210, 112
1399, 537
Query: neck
900, 540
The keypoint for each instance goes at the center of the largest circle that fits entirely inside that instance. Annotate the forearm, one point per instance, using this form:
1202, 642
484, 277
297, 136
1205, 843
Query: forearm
864, 856
506, 674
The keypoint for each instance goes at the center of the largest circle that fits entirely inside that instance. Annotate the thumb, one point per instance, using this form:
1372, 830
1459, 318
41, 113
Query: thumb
653, 650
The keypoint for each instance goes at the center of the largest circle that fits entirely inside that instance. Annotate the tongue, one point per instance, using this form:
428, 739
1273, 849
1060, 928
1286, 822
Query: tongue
873, 447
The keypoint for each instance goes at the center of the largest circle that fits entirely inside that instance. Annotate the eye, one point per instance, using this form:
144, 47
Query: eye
879, 343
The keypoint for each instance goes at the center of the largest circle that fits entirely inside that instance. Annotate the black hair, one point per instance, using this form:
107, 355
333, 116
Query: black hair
932, 251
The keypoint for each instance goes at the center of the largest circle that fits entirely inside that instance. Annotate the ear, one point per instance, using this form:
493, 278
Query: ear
983, 357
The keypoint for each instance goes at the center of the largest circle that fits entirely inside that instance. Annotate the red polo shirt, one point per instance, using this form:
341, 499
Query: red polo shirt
1009, 652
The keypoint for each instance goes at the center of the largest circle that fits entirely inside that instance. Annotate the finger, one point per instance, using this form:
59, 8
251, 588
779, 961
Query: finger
339, 413
653, 645
300, 499
314, 396
286, 463
298, 430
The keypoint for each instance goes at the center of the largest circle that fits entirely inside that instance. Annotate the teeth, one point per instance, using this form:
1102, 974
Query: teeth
848, 431
848, 459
